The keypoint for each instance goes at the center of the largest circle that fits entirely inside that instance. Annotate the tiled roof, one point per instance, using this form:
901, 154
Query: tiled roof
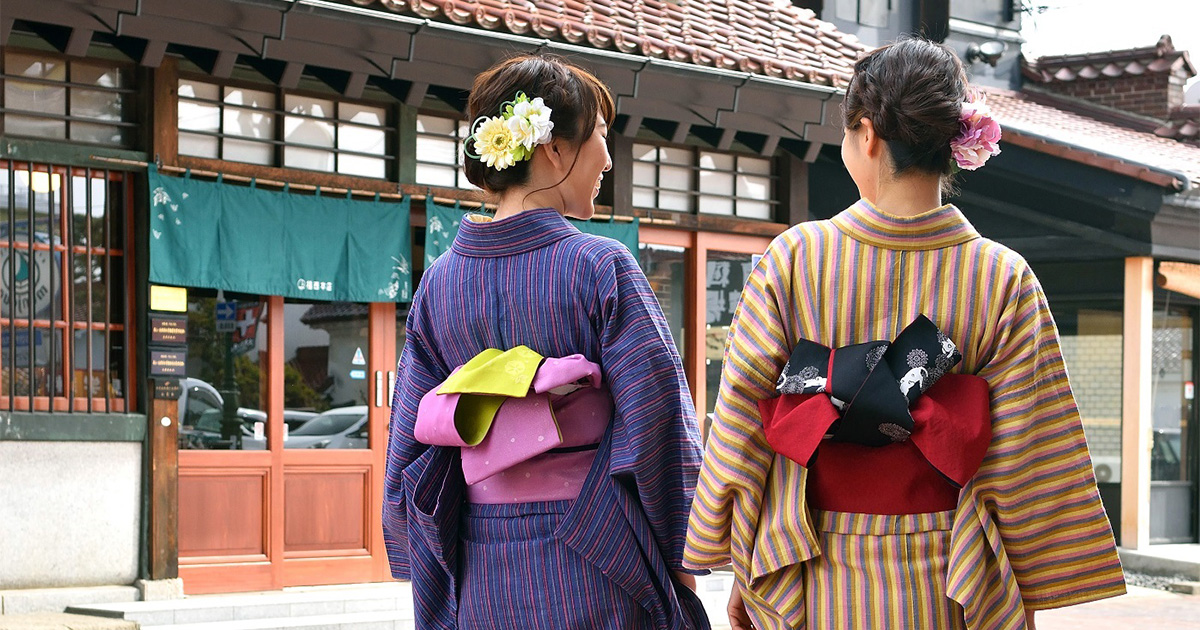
1183, 125
1031, 122
1162, 57
768, 37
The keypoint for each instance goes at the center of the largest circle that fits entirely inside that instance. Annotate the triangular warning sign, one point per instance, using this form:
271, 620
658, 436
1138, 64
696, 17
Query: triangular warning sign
358, 357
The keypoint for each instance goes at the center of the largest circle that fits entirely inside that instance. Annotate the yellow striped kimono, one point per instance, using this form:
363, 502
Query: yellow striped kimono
1029, 531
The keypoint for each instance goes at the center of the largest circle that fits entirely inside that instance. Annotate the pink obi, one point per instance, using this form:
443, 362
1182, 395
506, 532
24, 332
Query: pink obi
538, 447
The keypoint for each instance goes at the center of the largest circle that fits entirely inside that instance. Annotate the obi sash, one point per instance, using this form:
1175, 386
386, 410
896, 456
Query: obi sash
881, 426
527, 427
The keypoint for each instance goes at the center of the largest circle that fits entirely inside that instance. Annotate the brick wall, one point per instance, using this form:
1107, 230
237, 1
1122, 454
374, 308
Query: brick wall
1147, 94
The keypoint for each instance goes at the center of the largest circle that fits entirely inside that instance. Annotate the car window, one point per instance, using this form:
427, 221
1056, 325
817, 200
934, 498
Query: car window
198, 402
328, 424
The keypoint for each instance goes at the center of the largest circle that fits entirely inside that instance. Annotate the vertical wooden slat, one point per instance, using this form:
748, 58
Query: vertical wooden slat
697, 261
1138, 336
164, 487
88, 264
10, 253
274, 407
383, 359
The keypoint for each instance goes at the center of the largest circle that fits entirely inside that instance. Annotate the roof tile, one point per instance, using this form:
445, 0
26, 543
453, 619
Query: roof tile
761, 36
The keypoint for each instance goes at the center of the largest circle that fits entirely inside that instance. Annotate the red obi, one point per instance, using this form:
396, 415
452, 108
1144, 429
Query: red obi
951, 432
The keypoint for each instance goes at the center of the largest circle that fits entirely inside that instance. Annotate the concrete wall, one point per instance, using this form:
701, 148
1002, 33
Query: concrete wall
70, 513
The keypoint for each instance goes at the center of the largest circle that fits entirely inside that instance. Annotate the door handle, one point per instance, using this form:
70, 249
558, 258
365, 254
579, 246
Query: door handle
391, 386
378, 388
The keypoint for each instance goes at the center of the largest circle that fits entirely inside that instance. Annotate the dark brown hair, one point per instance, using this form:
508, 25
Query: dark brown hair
912, 90
573, 95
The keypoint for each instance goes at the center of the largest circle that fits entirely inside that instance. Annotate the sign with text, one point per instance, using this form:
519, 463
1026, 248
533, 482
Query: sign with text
168, 363
226, 317
165, 329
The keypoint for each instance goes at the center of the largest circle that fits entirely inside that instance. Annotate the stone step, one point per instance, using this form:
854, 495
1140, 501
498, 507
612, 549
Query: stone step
386, 620
62, 621
389, 602
1186, 588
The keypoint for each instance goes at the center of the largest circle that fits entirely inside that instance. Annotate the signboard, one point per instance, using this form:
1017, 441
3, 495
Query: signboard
168, 329
168, 363
167, 389
29, 277
168, 299
226, 317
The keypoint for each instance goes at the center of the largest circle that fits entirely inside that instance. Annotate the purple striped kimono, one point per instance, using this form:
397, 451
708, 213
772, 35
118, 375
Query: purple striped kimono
604, 560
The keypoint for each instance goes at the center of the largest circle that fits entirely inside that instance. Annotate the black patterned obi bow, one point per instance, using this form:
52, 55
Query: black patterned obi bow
881, 394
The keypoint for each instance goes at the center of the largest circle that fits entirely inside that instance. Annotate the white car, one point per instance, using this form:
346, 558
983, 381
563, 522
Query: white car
344, 427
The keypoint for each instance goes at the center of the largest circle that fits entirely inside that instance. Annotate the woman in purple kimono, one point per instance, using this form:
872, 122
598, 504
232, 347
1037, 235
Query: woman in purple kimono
544, 446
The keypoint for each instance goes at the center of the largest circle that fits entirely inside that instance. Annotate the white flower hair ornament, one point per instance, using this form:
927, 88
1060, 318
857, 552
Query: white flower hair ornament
501, 141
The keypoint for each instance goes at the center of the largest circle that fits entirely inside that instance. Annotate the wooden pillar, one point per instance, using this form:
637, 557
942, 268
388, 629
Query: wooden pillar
163, 432
274, 407
1135, 402
697, 262
165, 115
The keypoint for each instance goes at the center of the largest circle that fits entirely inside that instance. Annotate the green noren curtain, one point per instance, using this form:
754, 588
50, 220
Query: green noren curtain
238, 238
441, 225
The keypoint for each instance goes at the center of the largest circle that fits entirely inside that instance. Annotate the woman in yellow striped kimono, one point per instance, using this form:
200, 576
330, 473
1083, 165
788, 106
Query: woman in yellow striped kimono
896, 444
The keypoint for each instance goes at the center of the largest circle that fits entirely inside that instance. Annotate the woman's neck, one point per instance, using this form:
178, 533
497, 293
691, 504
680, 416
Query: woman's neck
908, 196
515, 201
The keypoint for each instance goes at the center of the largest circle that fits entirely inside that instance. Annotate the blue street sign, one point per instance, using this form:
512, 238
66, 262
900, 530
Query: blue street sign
226, 317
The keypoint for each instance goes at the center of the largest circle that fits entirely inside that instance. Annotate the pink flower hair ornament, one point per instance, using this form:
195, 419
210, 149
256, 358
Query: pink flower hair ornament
979, 134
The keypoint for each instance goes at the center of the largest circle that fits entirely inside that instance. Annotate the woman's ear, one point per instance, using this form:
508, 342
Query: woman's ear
871, 143
556, 152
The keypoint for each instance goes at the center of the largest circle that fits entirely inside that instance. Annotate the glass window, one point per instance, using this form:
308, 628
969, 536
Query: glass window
709, 182
325, 354
320, 134
1173, 393
1091, 338
224, 367
725, 275
63, 302
665, 268
86, 101
440, 152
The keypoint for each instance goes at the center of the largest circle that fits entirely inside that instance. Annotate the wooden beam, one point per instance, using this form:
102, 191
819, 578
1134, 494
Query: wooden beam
416, 94
274, 511
78, 43
6, 25
1138, 334
290, 77
681, 132
769, 145
1123, 244
355, 84
632, 124
165, 115
696, 295
152, 56
621, 174
222, 67
163, 441
727, 136
814, 150
793, 184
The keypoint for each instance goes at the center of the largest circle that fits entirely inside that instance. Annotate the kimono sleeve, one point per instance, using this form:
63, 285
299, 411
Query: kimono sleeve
417, 373
735, 479
656, 441
1036, 483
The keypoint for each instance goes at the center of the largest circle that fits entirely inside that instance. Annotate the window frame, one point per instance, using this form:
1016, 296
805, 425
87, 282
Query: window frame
62, 323
130, 129
280, 114
693, 193
460, 174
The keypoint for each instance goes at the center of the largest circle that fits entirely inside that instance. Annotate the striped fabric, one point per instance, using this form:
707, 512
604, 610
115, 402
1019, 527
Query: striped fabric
535, 280
517, 576
880, 572
1029, 530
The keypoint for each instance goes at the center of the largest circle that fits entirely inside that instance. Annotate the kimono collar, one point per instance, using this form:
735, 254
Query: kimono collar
480, 236
938, 228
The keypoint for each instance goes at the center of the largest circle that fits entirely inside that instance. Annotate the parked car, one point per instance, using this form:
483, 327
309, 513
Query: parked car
201, 410
344, 427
